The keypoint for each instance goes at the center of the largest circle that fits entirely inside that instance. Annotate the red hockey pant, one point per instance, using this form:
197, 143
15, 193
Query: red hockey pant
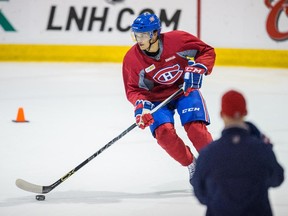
168, 139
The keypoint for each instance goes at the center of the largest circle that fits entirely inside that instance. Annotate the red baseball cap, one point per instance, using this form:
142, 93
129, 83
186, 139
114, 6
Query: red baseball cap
233, 104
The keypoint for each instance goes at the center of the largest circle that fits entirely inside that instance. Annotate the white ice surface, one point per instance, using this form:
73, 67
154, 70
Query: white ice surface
75, 109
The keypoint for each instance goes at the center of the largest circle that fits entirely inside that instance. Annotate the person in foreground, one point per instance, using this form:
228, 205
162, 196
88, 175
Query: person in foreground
233, 174
155, 68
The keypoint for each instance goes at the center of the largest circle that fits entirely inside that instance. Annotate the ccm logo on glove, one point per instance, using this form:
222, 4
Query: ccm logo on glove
195, 69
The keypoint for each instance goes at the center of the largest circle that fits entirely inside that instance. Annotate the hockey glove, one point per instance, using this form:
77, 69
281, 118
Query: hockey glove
142, 113
193, 76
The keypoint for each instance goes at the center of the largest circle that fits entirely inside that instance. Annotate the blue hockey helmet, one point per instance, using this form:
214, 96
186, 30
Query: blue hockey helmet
146, 22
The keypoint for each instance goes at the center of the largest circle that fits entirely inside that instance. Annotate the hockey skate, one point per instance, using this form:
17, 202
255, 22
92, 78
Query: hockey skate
191, 169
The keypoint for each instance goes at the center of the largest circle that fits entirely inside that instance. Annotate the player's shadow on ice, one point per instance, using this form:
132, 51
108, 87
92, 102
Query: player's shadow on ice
94, 197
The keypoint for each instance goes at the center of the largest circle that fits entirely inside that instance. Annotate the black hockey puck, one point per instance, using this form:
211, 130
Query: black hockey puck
40, 197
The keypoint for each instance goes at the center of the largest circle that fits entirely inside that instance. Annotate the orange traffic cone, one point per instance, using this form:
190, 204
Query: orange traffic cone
20, 116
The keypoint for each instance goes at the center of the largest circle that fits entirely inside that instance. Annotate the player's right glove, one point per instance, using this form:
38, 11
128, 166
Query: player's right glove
193, 76
142, 113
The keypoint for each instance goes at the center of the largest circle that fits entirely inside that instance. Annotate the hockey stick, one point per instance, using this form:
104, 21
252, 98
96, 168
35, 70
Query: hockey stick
27, 186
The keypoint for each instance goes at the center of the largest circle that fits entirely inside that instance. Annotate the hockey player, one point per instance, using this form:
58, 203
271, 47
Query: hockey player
156, 67
233, 174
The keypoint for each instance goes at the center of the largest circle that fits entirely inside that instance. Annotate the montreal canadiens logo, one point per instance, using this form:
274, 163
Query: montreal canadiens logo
168, 75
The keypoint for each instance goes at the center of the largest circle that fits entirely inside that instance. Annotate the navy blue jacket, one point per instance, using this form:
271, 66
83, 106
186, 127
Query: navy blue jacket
233, 175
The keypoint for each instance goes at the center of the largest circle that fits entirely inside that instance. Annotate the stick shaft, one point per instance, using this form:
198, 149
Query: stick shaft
24, 185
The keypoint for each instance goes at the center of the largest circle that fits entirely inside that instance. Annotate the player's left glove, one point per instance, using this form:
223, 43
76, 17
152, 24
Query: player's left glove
142, 113
193, 75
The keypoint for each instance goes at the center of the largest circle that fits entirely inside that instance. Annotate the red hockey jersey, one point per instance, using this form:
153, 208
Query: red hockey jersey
156, 78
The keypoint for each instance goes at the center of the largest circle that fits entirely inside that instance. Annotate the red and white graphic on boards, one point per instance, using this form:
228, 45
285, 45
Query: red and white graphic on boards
278, 10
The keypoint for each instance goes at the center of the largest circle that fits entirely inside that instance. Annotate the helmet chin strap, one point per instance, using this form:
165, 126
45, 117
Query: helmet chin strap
151, 43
